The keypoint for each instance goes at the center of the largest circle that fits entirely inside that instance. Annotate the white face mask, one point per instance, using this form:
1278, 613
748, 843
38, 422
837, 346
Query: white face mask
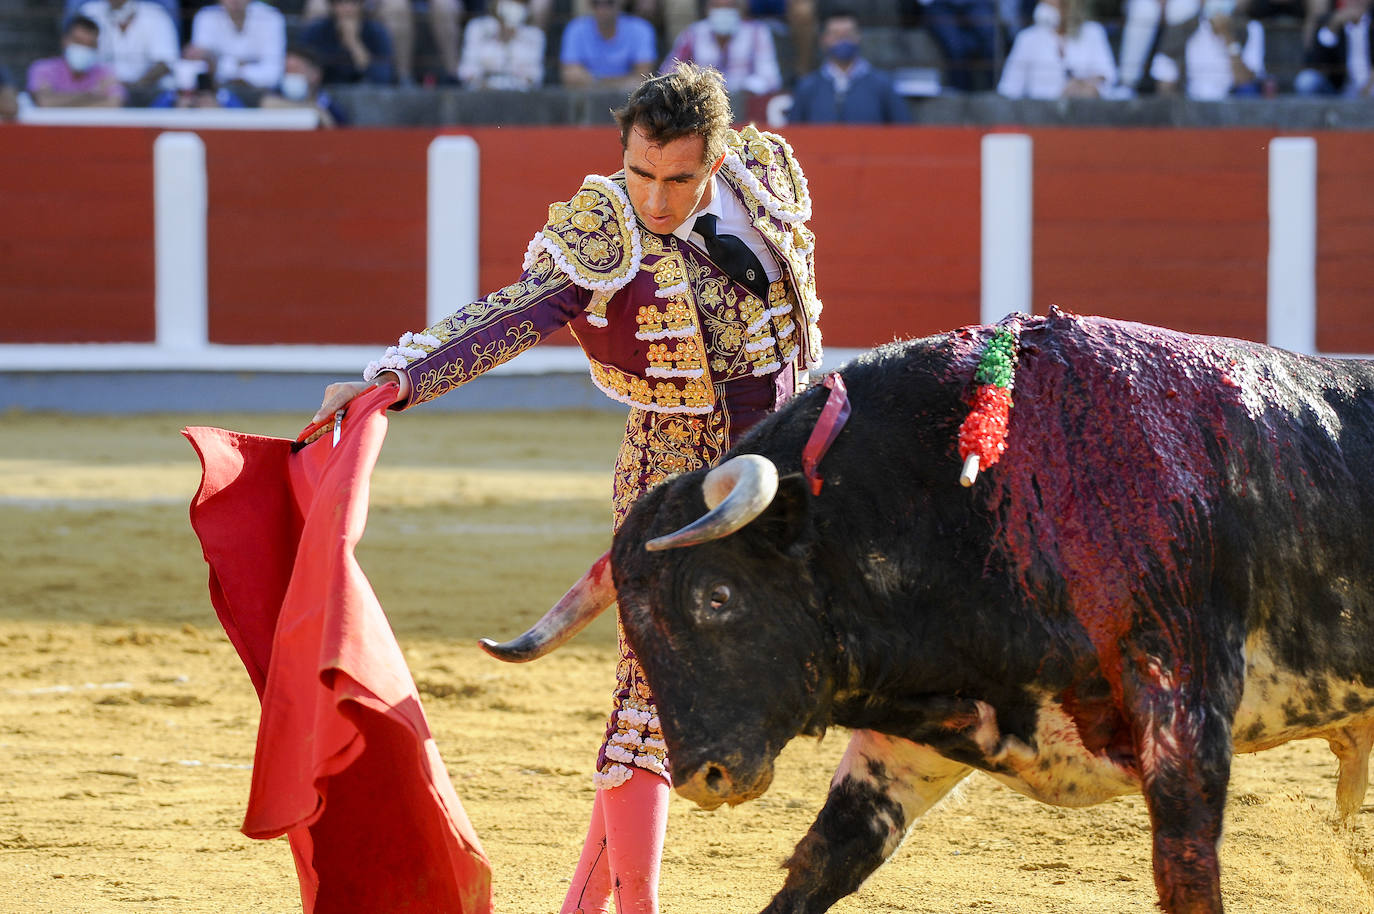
79, 57
1046, 16
724, 20
511, 13
295, 86
1213, 8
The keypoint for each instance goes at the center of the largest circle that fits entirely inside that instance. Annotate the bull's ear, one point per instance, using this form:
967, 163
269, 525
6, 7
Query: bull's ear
784, 522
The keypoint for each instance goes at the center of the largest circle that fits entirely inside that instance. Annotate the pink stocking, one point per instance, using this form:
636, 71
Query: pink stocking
623, 848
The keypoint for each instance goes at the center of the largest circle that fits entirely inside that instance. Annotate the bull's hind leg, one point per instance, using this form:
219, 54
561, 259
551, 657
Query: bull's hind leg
883, 785
1351, 746
1182, 723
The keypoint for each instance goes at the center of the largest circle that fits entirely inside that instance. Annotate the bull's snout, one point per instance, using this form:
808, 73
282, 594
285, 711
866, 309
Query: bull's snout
712, 784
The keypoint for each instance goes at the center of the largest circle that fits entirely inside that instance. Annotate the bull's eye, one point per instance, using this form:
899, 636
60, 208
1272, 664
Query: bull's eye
720, 596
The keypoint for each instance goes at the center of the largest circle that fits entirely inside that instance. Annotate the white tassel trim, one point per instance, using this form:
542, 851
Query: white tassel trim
771, 204
652, 372
613, 776
596, 320
664, 334
758, 345
672, 291
766, 369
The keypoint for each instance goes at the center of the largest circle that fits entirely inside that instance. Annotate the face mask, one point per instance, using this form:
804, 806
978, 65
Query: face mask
295, 86
1045, 16
724, 20
1213, 8
511, 13
124, 14
843, 51
79, 57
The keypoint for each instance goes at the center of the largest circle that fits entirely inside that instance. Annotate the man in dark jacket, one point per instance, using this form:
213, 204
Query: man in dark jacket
846, 89
1340, 55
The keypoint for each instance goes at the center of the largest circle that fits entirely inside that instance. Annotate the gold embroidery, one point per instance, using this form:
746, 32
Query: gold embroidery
674, 318
440, 380
594, 236
659, 445
684, 357
695, 395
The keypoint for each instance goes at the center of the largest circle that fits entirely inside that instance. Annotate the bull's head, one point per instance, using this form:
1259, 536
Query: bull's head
725, 629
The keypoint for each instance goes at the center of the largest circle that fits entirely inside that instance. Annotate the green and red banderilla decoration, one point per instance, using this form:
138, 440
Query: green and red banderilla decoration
983, 436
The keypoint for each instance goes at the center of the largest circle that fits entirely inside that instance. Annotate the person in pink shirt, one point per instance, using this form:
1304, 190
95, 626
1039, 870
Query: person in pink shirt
76, 79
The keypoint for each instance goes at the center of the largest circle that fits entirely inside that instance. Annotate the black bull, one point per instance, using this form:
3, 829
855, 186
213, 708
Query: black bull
1172, 562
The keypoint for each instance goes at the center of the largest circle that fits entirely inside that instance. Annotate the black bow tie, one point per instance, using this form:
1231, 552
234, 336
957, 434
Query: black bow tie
733, 256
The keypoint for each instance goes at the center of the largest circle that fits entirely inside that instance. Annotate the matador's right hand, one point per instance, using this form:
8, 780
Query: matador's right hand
337, 396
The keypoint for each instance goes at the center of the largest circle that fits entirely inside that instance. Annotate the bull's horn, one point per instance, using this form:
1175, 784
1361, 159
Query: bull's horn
583, 602
737, 491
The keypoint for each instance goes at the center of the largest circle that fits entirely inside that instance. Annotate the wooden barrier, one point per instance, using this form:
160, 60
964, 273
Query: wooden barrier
319, 237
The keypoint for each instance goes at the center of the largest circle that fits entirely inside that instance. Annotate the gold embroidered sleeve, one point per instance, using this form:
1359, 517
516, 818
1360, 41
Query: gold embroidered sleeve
486, 333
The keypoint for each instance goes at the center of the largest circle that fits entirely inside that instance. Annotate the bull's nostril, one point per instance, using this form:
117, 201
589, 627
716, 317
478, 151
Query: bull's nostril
716, 779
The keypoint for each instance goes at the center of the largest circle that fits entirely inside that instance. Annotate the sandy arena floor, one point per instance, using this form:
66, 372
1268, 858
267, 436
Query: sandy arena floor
127, 723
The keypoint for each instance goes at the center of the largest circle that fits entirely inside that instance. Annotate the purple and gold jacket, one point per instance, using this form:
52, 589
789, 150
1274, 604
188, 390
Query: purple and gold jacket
698, 357
662, 327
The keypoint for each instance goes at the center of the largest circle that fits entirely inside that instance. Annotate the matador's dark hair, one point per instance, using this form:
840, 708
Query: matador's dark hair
690, 101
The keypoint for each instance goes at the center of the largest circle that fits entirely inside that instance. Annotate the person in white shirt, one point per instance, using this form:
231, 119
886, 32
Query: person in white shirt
1060, 55
137, 39
1216, 64
242, 41
503, 51
742, 50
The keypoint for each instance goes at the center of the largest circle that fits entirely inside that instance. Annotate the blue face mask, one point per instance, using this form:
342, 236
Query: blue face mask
843, 51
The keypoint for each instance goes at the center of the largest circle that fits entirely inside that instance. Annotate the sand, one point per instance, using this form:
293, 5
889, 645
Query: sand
127, 723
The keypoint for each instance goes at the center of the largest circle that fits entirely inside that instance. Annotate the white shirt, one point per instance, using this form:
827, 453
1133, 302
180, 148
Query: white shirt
1357, 63
149, 37
731, 219
1042, 61
1208, 62
256, 55
488, 61
749, 61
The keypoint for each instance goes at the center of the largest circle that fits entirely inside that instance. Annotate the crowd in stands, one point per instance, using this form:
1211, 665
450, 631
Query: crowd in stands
246, 53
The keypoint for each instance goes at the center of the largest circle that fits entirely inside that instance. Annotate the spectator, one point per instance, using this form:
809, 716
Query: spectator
301, 88
846, 89
1142, 33
242, 41
1060, 55
9, 98
503, 51
171, 7
1225, 54
608, 49
966, 31
741, 49
138, 40
398, 18
196, 90
351, 46
1340, 54
77, 79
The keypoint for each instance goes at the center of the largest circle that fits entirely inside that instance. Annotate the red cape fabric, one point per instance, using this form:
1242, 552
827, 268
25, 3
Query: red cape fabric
345, 764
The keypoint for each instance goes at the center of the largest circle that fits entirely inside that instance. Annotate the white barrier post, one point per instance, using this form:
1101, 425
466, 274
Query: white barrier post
1006, 227
179, 209
453, 226
1292, 310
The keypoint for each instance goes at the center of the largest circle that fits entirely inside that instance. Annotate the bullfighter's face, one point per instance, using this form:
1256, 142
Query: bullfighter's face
667, 182
738, 657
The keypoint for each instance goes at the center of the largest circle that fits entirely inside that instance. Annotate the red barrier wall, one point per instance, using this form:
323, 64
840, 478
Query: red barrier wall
1162, 226
320, 237
76, 238
1345, 243
316, 237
